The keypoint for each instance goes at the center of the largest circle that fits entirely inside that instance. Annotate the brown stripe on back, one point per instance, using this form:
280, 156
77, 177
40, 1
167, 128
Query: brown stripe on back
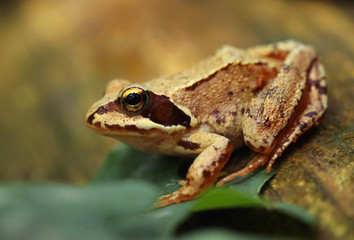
214, 92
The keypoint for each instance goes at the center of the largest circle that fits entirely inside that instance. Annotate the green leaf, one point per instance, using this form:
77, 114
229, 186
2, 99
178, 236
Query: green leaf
54, 211
243, 192
99, 211
124, 162
219, 198
252, 183
155, 224
118, 203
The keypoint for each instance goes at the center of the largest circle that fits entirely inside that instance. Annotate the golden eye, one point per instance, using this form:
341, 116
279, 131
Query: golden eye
134, 99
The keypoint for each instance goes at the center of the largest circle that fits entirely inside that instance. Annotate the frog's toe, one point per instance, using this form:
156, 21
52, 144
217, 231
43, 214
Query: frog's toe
172, 198
183, 194
182, 183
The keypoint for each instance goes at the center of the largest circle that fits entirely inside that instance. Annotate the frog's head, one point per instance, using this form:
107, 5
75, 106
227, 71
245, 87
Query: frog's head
128, 110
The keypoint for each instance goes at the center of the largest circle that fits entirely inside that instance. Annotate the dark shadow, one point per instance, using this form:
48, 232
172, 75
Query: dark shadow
260, 221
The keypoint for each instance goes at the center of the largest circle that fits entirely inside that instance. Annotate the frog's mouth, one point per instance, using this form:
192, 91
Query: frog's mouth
101, 120
105, 125
115, 129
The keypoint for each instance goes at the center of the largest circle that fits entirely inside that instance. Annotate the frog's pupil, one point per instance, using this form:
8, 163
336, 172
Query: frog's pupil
133, 98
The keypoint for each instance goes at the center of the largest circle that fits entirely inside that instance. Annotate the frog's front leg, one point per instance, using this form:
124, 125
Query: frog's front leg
280, 113
215, 152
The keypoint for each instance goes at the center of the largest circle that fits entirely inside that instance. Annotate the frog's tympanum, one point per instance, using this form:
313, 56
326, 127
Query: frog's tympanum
263, 97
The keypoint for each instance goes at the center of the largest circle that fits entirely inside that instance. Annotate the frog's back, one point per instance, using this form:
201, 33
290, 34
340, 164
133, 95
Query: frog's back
217, 90
184, 79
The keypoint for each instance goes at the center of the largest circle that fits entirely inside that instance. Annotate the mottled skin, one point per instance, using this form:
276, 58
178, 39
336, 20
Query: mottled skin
264, 97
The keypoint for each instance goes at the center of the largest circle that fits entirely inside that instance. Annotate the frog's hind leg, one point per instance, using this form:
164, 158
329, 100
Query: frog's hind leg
315, 100
309, 111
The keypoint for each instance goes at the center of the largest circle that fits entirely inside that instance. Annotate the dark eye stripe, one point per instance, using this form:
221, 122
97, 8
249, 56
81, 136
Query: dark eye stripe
158, 108
162, 111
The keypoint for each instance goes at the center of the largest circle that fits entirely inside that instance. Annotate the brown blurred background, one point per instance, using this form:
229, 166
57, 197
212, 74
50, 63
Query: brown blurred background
57, 56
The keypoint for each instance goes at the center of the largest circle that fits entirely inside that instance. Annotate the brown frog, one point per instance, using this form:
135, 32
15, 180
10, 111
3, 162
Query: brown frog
264, 97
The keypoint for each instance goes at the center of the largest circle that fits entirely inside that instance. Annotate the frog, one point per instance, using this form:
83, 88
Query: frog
263, 97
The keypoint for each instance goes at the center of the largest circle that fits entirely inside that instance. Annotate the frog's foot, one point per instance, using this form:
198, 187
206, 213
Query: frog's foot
308, 113
183, 194
214, 152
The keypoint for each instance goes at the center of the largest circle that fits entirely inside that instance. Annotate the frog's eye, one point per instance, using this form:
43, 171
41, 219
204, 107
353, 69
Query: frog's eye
134, 99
